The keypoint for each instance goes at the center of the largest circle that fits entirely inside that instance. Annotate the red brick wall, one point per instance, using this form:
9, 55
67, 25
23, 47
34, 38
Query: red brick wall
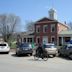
48, 33
61, 27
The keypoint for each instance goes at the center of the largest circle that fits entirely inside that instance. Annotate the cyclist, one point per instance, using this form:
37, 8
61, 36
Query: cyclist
39, 50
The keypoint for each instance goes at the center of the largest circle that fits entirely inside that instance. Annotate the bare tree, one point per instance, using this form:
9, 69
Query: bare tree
30, 26
70, 25
8, 23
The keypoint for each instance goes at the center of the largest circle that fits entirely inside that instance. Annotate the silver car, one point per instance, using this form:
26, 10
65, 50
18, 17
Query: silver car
51, 49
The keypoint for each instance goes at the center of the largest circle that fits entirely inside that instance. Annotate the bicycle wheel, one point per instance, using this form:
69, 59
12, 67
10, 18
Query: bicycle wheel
45, 58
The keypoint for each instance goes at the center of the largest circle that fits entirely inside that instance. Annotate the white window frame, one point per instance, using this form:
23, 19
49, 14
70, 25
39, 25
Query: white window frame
44, 28
37, 39
38, 26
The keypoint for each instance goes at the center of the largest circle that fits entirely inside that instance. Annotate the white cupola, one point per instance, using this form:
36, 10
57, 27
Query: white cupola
52, 14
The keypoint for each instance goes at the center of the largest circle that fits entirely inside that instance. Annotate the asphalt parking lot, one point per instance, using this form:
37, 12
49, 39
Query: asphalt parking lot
11, 63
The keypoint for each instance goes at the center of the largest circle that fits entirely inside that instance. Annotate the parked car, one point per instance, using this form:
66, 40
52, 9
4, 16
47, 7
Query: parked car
51, 49
24, 48
66, 50
4, 47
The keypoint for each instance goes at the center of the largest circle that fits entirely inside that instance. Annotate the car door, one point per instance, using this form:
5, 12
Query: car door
63, 50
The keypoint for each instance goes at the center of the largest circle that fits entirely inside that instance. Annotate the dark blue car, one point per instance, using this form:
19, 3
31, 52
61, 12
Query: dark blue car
24, 48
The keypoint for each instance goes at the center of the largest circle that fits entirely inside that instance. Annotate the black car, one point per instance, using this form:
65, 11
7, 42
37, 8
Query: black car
24, 48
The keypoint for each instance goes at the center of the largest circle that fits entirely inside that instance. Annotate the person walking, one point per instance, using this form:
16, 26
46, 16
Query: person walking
33, 48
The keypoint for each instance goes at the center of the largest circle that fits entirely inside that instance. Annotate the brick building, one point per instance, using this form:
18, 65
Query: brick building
47, 29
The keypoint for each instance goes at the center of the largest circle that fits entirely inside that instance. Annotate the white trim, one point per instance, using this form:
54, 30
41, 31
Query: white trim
65, 35
62, 40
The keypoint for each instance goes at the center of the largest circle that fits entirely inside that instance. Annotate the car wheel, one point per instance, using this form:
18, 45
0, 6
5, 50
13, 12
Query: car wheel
59, 54
17, 54
30, 54
51, 56
45, 58
7, 52
54, 55
70, 56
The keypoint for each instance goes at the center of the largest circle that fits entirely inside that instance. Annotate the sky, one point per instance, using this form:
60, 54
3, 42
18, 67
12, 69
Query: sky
33, 10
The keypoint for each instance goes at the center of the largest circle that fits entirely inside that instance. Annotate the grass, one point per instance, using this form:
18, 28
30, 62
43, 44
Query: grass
12, 43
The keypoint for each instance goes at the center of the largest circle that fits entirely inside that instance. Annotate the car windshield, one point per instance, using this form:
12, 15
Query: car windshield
2, 44
49, 46
69, 45
24, 45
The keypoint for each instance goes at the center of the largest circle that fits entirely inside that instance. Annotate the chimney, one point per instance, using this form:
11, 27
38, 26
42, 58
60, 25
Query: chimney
64, 22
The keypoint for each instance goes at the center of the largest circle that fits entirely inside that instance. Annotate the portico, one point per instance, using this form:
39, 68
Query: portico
65, 36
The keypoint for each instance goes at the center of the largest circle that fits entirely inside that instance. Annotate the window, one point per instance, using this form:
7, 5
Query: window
45, 28
53, 39
38, 29
38, 39
2, 44
49, 46
24, 40
53, 28
30, 39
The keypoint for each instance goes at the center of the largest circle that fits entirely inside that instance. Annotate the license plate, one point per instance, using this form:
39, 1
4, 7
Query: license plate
2, 47
25, 49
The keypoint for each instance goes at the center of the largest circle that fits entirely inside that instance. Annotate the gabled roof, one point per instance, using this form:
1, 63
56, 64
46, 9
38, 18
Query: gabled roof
45, 19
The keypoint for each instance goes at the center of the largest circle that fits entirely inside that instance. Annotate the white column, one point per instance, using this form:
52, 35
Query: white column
26, 40
57, 41
22, 39
71, 38
62, 40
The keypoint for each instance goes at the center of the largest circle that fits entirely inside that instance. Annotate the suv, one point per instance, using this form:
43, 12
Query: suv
66, 50
4, 47
24, 48
51, 49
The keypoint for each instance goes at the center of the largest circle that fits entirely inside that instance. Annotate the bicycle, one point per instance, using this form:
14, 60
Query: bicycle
43, 56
